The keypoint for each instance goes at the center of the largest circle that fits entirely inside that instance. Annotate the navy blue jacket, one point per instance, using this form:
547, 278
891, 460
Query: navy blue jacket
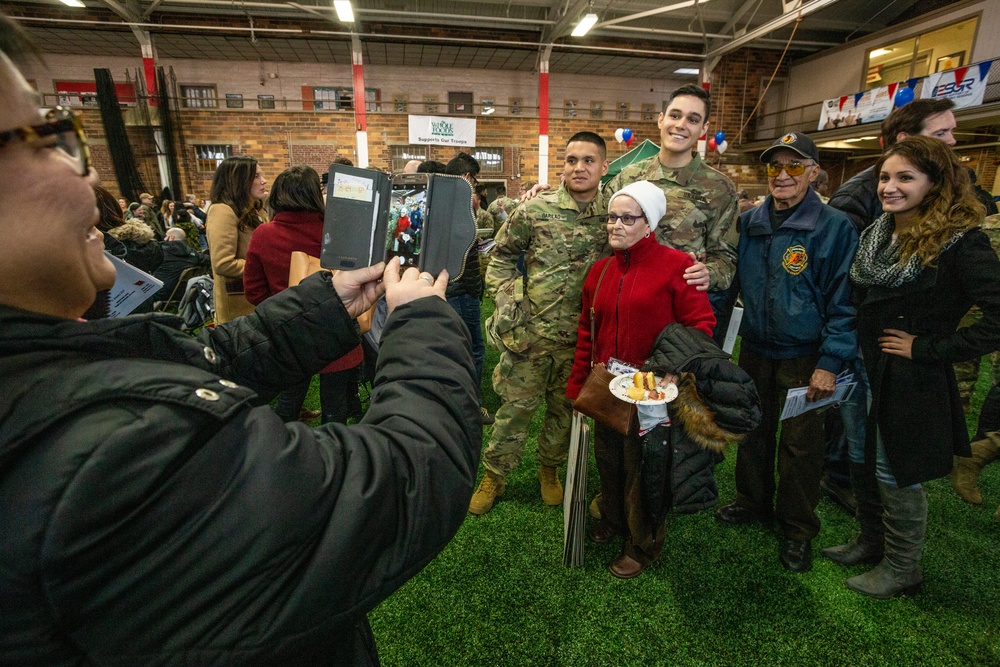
796, 292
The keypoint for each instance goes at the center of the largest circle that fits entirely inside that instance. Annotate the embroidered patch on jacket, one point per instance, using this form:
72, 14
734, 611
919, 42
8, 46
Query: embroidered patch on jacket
795, 260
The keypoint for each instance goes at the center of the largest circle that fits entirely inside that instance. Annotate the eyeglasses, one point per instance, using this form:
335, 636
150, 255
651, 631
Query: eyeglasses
66, 128
792, 168
627, 220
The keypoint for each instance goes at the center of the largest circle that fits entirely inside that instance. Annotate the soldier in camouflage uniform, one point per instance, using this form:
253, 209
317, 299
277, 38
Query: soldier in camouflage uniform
986, 443
967, 372
701, 202
500, 208
561, 233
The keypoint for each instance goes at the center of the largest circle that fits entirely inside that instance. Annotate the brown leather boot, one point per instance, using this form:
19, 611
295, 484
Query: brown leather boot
490, 488
965, 472
552, 491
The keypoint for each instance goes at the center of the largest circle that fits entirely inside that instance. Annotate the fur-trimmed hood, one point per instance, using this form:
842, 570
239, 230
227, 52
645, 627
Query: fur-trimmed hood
717, 401
134, 230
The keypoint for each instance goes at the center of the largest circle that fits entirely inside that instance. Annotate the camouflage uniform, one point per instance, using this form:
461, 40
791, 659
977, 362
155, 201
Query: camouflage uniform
560, 243
701, 212
967, 372
494, 210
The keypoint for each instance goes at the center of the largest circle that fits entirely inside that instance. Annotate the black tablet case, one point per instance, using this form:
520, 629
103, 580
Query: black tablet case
354, 232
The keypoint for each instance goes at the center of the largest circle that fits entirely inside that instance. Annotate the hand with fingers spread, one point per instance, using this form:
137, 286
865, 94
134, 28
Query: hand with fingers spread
412, 285
897, 342
359, 289
697, 273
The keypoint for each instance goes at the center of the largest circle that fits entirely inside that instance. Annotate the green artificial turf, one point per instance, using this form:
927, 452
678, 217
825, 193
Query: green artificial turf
499, 595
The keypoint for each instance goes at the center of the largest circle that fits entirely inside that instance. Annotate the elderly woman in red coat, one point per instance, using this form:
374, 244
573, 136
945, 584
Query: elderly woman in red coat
634, 294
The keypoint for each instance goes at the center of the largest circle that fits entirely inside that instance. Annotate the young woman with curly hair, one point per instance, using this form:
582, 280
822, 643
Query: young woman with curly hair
919, 268
238, 191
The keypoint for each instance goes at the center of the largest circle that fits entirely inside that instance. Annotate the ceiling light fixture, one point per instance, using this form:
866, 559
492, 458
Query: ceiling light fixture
585, 24
73, 3
344, 10
686, 70
880, 52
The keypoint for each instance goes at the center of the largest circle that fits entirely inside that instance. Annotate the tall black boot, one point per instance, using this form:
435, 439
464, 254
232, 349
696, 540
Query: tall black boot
899, 572
867, 546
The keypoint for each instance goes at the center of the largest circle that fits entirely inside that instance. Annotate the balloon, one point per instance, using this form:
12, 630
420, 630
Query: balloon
627, 135
712, 144
628, 142
722, 147
619, 135
720, 136
904, 96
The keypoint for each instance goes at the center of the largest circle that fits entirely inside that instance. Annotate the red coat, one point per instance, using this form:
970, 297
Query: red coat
642, 292
269, 256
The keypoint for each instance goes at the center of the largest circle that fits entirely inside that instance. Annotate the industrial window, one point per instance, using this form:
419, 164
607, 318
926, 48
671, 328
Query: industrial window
265, 101
342, 99
403, 154
569, 108
199, 97
209, 156
490, 159
933, 51
596, 109
234, 100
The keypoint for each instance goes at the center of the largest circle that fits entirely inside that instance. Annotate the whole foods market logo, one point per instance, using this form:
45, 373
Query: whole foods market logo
442, 129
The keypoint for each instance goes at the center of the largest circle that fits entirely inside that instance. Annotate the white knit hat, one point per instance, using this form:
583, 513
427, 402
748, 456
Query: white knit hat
649, 197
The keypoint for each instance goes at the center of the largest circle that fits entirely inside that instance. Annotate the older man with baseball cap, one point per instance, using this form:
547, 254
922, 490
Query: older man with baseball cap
798, 331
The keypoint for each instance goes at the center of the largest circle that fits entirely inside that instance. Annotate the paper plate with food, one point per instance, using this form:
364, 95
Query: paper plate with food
643, 389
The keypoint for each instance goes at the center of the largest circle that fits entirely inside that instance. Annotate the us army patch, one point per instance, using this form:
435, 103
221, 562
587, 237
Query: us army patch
795, 260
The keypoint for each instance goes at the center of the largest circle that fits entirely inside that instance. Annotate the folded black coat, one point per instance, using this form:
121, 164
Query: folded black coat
717, 404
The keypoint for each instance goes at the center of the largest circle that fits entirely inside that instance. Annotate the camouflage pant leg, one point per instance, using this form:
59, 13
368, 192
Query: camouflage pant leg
994, 368
553, 441
522, 382
967, 372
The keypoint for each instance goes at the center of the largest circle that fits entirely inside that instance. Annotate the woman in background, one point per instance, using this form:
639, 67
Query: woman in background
238, 191
919, 268
296, 206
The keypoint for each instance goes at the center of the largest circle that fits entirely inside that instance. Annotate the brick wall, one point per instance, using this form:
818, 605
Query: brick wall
279, 139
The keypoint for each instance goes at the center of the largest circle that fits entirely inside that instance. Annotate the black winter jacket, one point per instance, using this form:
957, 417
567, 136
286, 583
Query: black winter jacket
717, 404
915, 402
858, 198
151, 515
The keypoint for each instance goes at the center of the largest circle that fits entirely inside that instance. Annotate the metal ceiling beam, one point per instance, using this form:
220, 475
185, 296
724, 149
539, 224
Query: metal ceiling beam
569, 13
769, 27
652, 12
744, 8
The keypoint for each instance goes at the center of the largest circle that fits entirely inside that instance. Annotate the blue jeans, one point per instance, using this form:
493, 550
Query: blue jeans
854, 413
468, 308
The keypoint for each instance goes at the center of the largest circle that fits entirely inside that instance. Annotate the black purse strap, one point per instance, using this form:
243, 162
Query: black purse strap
593, 334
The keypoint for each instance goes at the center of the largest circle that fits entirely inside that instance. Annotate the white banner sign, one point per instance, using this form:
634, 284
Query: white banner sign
442, 130
869, 106
965, 86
